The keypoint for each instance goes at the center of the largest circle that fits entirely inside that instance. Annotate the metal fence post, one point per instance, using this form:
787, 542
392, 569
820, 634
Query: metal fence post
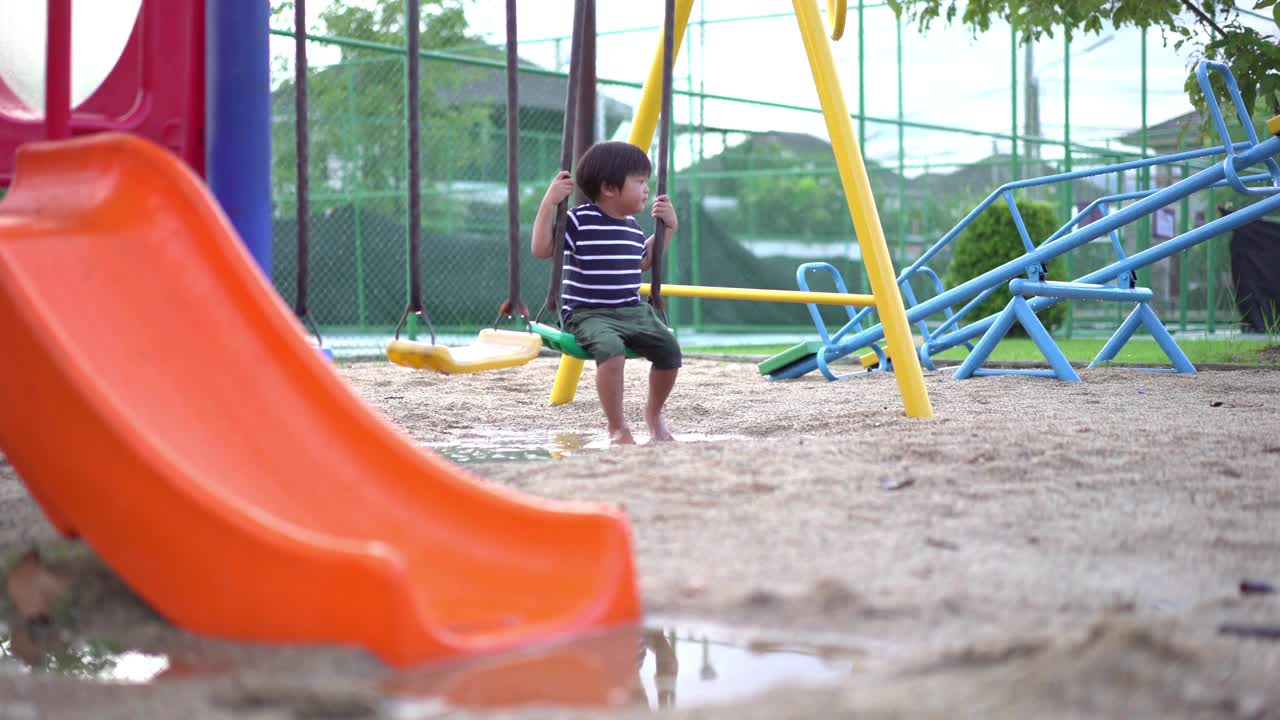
1211, 267
1184, 224
1144, 175
1069, 187
353, 193
1013, 103
901, 246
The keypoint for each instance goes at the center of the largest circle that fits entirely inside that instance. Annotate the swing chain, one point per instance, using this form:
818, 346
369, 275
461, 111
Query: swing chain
508, 312
420, 312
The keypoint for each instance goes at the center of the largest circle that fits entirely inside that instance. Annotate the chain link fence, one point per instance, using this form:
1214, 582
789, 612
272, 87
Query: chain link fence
358, 202
754, 203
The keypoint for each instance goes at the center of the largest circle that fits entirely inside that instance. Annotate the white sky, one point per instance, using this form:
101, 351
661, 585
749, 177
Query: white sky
949, 77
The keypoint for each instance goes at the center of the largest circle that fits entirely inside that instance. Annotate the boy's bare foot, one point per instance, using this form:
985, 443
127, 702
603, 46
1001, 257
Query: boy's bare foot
621, 436
658, 431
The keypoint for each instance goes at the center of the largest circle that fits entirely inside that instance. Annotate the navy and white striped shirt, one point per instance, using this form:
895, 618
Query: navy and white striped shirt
602, 257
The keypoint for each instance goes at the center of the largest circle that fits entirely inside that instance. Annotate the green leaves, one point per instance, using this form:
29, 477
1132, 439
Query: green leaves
357, 111
1254, 60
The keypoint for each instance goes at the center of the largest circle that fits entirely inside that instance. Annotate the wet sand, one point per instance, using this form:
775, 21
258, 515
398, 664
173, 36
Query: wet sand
1038, 549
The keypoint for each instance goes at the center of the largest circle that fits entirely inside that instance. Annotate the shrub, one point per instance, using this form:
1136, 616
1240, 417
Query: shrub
991, 240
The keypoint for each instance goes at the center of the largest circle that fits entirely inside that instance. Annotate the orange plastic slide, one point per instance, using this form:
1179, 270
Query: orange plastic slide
161, 402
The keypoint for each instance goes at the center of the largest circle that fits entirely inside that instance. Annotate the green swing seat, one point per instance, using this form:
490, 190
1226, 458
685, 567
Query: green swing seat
564, 342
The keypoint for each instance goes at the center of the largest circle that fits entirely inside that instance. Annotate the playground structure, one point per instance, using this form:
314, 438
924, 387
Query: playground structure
495, 348
114, 400
1121, 273
242, 489
885, 295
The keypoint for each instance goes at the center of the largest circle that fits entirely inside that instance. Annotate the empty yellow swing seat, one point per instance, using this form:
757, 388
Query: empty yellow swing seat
492, 350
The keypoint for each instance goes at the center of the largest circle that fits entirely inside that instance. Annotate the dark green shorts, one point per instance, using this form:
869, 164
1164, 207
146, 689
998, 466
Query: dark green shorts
608, 332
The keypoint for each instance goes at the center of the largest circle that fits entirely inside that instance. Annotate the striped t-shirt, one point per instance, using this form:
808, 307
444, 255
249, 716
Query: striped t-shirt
601, 260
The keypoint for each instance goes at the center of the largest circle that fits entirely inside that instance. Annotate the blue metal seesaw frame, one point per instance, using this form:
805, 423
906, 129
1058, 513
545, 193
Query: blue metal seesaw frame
948, 334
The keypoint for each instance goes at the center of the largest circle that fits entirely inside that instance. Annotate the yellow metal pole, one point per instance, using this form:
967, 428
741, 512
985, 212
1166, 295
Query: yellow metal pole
566, 385
646, 118
862, 208
763, 295
642, 128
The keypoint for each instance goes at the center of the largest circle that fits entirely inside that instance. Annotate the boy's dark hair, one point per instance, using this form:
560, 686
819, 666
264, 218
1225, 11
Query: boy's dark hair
610, 163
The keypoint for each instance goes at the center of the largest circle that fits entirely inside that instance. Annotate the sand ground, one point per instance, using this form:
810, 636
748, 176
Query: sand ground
1050, 549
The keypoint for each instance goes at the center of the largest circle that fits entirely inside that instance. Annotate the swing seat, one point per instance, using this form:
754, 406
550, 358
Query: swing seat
564, 342
492, 350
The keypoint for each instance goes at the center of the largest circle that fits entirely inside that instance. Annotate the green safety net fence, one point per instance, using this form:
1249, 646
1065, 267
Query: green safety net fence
754, 204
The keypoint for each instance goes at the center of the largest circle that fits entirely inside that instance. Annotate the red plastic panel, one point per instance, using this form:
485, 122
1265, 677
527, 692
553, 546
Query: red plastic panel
156, 90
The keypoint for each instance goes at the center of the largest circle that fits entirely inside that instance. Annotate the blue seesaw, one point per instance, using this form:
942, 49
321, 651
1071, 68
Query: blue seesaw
1034, 293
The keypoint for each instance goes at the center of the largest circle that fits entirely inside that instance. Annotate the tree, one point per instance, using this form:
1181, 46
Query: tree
358, 167
789, 187
1211, 29
991, 240
356, 110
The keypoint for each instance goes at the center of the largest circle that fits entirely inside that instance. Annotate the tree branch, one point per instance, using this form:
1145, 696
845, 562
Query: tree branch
1204, 17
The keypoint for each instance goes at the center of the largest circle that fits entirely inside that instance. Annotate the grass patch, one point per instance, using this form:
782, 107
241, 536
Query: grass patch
1139, 350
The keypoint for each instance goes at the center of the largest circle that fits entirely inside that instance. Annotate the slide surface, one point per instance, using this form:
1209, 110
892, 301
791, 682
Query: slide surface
161, 402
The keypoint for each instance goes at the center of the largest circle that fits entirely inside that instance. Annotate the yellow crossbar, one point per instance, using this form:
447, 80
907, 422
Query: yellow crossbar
784, 296
1273, 125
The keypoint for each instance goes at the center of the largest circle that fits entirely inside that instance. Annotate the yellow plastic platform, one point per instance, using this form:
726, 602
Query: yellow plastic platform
492, 350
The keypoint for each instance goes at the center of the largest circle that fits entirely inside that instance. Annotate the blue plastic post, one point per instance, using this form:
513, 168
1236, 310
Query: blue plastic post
238, 119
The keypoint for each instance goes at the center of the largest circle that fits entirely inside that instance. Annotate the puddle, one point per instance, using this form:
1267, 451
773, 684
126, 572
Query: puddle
502, 446
658, 667
42, 649
515, 446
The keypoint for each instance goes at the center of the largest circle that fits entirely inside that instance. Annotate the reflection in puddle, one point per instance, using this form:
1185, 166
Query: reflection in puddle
655, 667
690, 666
500, 446
41, 648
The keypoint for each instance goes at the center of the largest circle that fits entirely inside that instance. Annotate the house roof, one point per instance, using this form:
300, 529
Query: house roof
1184, 131
784, 144
488, 86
